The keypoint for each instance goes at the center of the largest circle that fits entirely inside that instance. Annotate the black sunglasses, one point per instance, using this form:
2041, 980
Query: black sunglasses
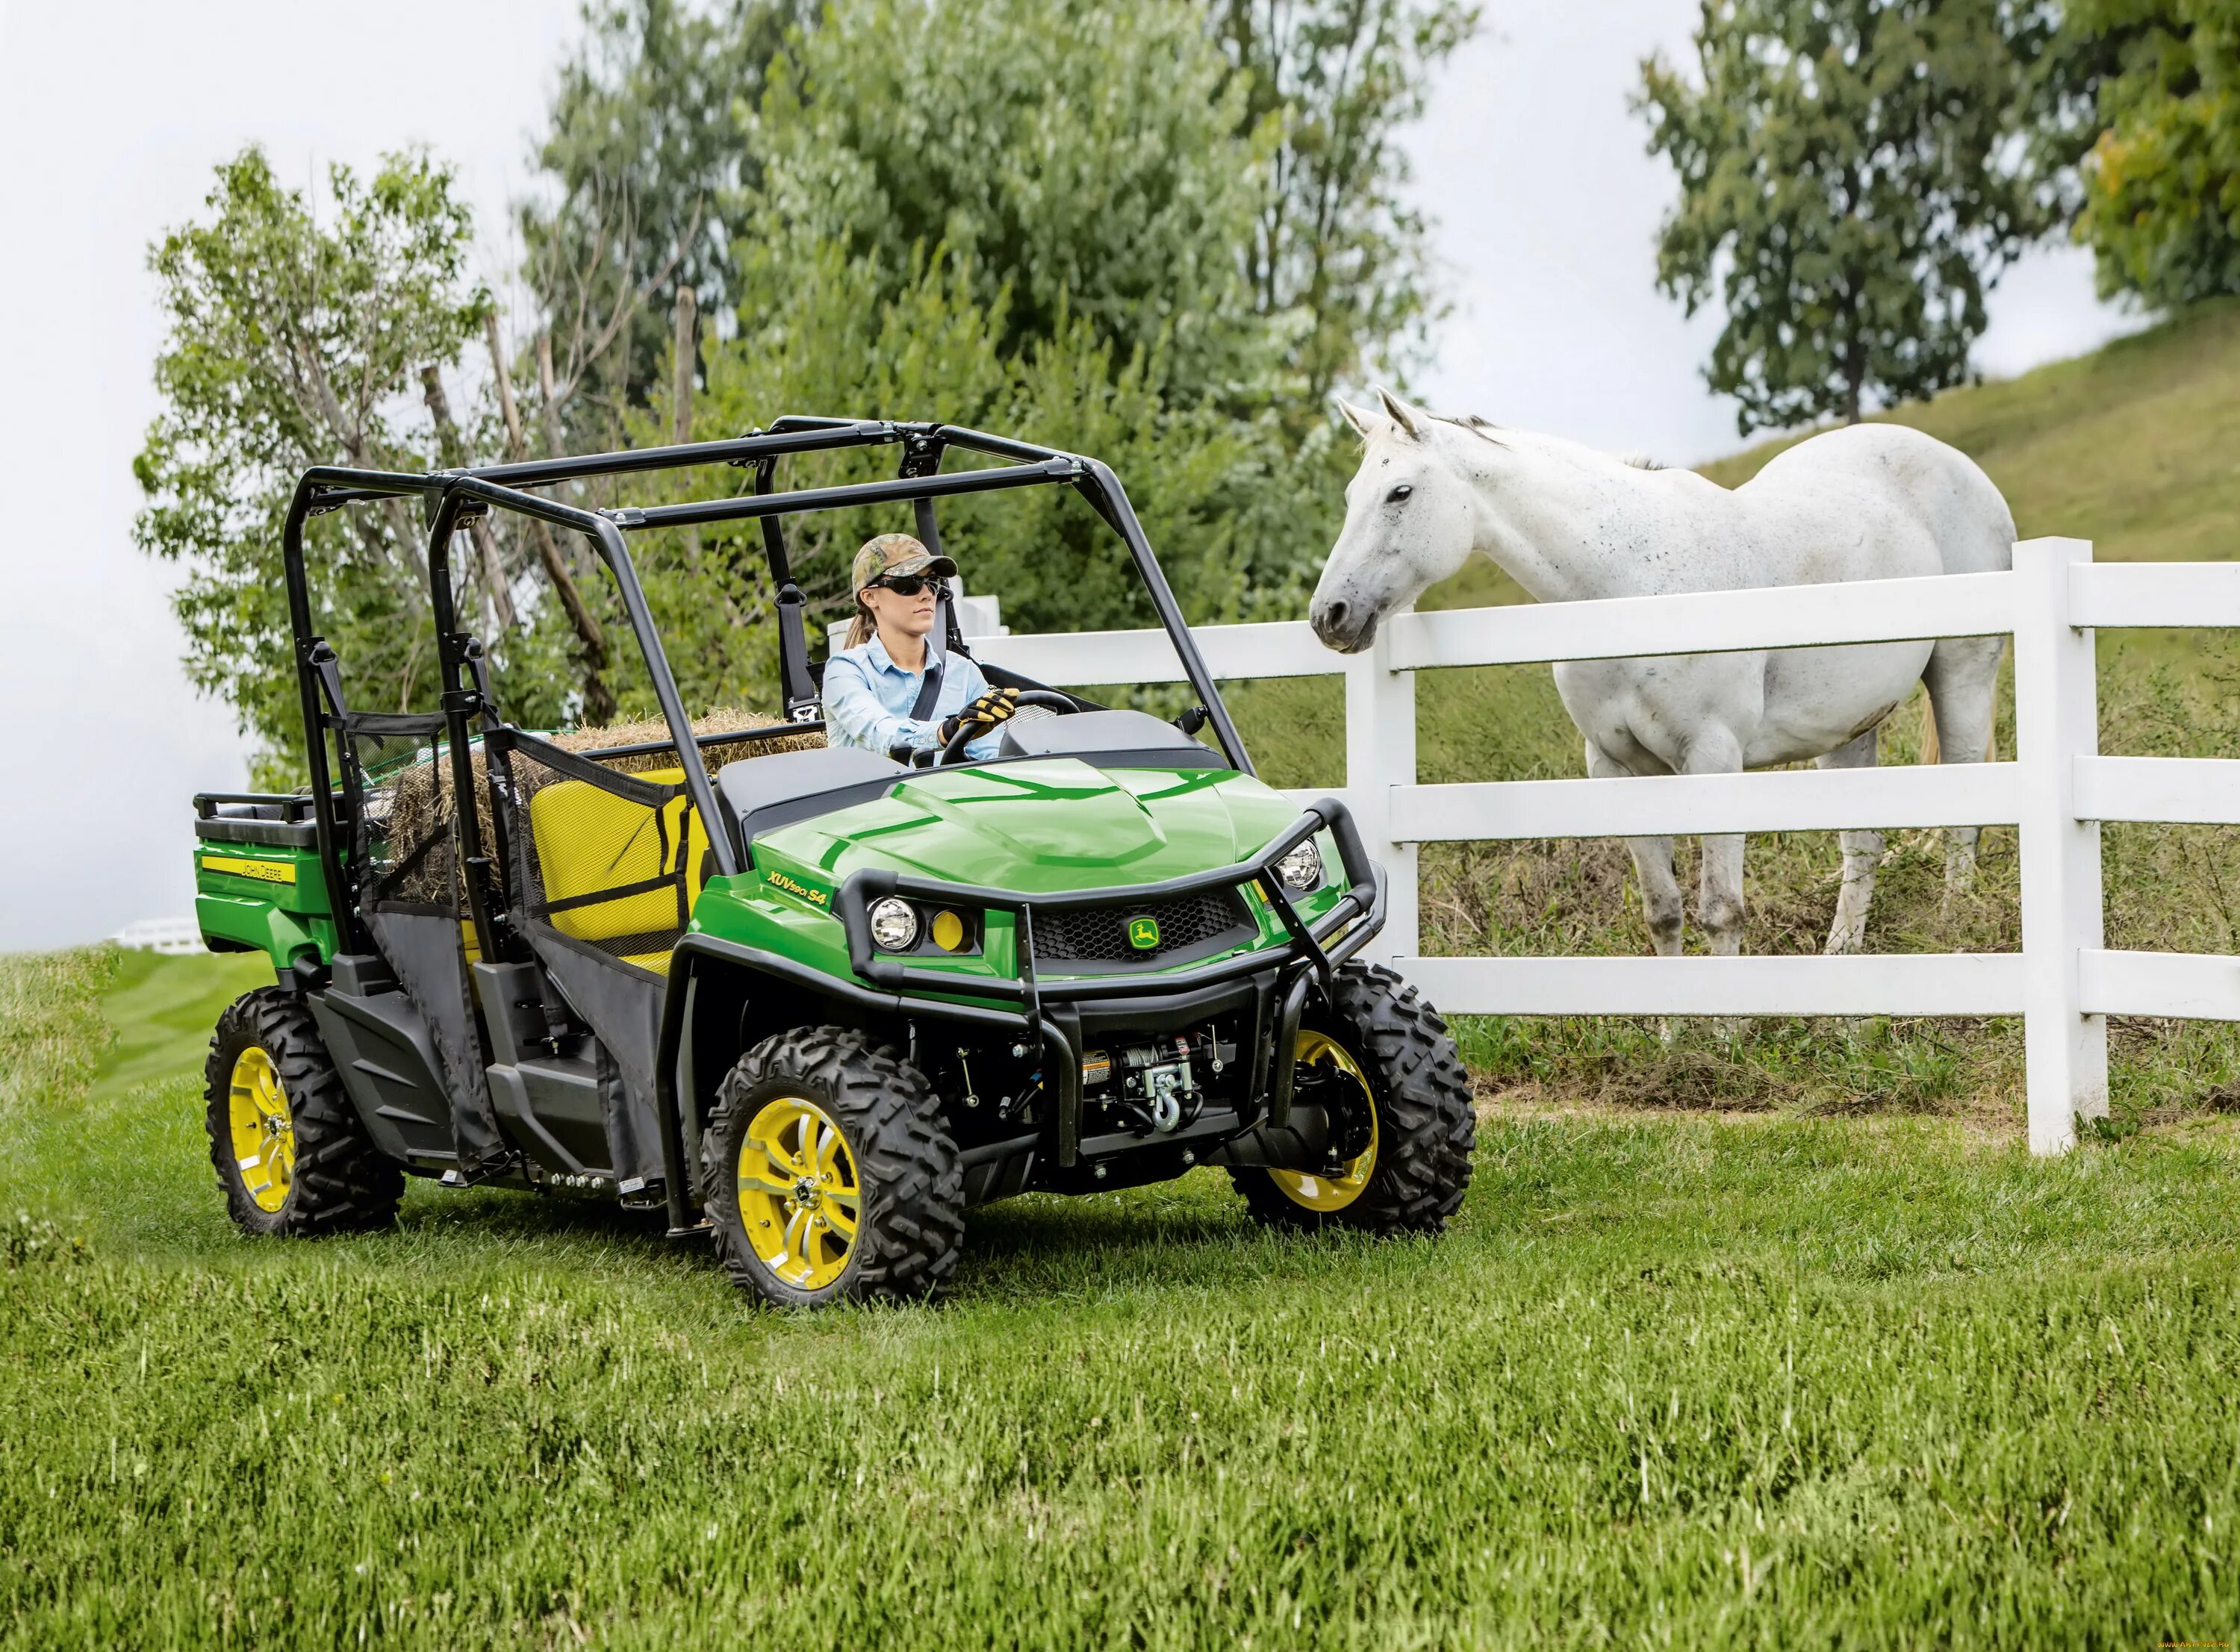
911, 585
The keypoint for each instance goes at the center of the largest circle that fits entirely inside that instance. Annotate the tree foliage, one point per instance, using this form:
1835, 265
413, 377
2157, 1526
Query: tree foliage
644, 158
290, 342
654, 179
1850, 186
1334, 240
975, 214
1219, 494
2156, 83
1087, 159
1211, 489
304, 330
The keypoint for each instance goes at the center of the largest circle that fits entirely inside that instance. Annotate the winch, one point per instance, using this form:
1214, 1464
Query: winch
1154, 1087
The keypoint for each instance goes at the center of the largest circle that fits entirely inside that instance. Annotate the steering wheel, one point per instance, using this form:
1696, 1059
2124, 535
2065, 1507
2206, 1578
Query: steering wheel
1048, 699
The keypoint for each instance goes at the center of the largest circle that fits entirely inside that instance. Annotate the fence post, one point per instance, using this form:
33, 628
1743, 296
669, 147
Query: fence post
2056, 720
1380, 754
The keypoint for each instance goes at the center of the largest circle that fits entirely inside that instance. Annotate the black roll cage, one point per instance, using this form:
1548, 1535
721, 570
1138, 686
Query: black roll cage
452, 497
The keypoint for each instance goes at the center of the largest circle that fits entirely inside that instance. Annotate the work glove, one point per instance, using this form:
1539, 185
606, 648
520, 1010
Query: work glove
985, 713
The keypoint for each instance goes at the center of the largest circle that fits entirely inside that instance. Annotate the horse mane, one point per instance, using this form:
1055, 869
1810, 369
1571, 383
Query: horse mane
1485, 428
1473, 423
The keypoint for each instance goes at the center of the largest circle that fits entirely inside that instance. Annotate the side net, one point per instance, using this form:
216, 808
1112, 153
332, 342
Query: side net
404, 841
409, 894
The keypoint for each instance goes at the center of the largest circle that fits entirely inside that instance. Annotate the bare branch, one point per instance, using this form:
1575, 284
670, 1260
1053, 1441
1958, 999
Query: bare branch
599, 701
453, 451
687, 320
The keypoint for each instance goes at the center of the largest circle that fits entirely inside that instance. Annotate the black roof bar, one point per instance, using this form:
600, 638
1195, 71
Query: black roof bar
1002, 447
737, 450
794, 433
854, 493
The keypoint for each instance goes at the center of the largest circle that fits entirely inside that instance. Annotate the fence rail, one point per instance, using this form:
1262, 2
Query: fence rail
2058, 789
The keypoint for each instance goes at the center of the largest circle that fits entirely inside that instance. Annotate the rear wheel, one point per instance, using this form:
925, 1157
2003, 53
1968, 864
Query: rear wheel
291, 1154
828, 1175
1381, 1059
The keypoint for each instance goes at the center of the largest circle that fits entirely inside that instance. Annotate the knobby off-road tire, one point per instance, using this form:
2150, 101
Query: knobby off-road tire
340, 1183
1425, 1124
895, 1159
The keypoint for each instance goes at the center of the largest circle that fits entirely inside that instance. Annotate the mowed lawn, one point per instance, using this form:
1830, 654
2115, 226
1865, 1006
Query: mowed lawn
1672, 1381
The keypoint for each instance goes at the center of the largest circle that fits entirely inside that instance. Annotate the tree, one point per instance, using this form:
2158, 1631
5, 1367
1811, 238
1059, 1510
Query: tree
1017, 213
995, 211
643, 154
656, 147
1237, 508
302, 333
289, 344
1850, 187
2152, 88
1087, 159
1334, 241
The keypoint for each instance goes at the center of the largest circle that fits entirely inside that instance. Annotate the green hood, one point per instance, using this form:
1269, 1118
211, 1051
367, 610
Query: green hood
1049, 827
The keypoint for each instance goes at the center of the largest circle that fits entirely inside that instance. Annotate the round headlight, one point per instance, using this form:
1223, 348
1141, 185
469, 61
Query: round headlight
1302, 870
893, 924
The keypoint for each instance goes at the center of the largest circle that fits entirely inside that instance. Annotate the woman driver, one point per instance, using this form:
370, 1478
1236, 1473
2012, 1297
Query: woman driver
876, 683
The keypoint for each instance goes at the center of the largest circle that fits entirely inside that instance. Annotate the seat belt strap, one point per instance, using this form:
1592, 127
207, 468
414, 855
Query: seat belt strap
930, 690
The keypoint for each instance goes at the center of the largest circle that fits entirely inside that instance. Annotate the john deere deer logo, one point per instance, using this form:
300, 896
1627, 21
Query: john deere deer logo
1143, 934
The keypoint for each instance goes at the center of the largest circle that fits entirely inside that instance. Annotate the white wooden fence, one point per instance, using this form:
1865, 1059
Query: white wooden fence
2058, 790
175, 937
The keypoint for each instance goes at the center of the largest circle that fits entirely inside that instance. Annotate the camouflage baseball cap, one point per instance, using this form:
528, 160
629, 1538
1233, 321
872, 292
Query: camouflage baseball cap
893, 556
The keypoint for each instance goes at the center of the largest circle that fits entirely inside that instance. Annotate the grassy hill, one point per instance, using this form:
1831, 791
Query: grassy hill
2134, 447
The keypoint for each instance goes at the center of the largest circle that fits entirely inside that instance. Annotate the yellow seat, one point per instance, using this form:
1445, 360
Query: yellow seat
588, 840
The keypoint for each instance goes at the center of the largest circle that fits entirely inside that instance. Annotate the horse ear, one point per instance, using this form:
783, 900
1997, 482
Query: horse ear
1399, 412
1364, 421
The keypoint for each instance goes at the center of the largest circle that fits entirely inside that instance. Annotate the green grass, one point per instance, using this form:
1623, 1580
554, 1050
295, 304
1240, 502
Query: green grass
162, 1010
1873, 1381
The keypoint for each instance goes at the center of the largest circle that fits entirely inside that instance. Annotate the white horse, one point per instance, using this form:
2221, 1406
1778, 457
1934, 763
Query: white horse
1867, 502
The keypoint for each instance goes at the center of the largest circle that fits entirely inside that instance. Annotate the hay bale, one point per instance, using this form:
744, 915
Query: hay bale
419, 806
724, 719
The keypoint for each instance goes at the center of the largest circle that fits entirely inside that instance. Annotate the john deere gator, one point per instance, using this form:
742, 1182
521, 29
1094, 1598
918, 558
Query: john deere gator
811, 1003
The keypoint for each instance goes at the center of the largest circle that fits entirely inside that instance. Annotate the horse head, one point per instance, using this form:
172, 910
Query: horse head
1408, 524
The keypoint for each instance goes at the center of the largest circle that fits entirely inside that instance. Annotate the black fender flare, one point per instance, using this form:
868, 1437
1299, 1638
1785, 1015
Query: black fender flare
695, 953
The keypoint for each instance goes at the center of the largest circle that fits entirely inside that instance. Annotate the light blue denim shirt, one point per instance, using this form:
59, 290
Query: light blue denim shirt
868, 699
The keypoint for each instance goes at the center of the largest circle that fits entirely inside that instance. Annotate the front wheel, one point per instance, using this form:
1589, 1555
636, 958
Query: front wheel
291, 1153
828, 1175
1381, 1060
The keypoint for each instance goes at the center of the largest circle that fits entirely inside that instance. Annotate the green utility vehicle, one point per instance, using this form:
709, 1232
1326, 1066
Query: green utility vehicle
811, 1002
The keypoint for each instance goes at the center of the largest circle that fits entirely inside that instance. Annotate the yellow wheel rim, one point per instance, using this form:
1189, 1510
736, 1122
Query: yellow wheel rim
800, 1197
1327, 1192
264, 1129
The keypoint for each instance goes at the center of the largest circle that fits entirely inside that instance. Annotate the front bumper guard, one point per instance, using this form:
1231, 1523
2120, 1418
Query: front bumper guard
1310, 954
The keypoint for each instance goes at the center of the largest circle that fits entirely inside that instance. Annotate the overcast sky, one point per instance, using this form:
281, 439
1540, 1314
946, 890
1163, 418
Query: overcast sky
113, 115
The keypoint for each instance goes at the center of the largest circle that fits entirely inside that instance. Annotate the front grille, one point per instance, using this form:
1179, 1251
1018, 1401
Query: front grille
1099, 935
